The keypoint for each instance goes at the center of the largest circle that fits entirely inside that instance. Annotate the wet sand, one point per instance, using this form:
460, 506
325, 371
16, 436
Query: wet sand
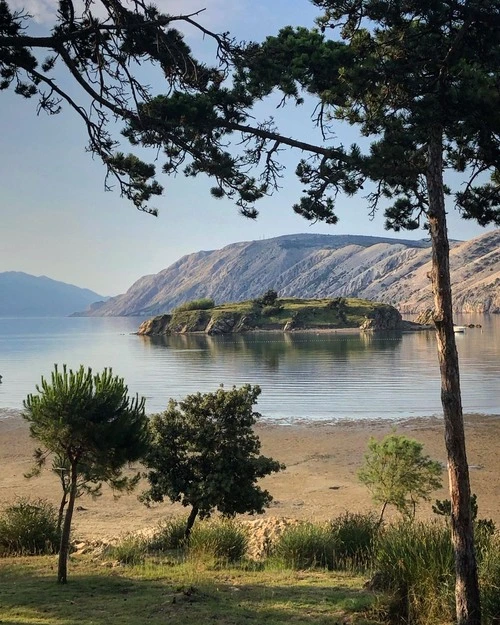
320, 480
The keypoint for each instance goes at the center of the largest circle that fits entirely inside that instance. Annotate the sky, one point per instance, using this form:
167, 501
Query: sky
57, 220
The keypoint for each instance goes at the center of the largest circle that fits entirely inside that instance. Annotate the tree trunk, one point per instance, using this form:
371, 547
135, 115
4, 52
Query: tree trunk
381, 518
467, 598
60, 514
190, 522
62, 570
64, 499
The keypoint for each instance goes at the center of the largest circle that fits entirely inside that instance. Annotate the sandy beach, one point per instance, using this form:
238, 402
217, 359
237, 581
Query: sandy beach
320, 480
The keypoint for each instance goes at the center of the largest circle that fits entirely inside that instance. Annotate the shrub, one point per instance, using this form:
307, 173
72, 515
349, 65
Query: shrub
307, 545
132, 549
204, 303
268, 299
223, 540
415, 560
483, 528
169, 535
29, 528
355, 536
270, 311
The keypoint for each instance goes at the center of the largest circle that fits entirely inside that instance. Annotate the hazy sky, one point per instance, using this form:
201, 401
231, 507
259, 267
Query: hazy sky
58, 221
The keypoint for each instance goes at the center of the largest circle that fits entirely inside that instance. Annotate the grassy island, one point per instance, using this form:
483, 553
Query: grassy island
272, 313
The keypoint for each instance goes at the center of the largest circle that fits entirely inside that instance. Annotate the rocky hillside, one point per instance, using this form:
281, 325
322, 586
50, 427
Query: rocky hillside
319, 266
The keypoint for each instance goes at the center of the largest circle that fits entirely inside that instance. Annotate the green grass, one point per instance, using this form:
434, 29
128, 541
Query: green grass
176, 593
222, 540
415, 560
307, 545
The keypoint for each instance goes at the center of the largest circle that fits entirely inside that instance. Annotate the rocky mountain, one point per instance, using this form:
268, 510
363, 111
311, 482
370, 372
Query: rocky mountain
24, 295
310, 265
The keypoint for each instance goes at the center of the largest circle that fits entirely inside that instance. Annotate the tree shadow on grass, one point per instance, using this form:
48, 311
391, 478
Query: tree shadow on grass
31, 595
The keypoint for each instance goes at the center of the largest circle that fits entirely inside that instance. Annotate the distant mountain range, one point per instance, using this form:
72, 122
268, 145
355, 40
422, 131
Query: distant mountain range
313, 265
24, 295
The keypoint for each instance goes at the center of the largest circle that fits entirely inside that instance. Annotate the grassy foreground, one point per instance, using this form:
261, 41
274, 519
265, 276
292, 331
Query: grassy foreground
159, 592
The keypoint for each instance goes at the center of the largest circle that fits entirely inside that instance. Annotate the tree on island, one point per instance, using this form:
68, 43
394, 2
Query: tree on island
204, 453
93, 428
419, 81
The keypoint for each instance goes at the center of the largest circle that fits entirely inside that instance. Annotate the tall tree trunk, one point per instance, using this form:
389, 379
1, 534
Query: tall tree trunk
190, 522
62, 570
62, 505
60, 514
467, 598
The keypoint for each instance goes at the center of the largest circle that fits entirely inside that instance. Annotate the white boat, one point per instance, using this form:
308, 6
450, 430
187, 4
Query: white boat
460, 329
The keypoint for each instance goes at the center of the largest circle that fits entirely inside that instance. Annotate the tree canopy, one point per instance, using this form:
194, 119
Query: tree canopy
92, 427
205, 454
393, 70
397, 473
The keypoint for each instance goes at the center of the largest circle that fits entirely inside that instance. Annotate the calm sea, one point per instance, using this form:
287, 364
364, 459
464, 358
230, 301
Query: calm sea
302, 376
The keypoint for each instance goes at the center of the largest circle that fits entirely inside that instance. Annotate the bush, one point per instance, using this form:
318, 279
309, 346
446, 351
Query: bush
271, 311
306, 546
131, 549
29, 528
268, 299
195, 304
222, 540
169, 535
416, 562
355, 537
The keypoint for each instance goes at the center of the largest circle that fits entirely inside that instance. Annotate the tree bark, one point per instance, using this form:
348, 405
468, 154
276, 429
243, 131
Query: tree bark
381, 518
468, 609
62, 570
190, 522
60, 514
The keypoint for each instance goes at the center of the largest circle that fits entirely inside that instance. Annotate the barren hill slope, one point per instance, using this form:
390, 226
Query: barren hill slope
307, 265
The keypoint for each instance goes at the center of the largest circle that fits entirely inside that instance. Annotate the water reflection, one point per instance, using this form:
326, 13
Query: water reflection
302, 375
261, 345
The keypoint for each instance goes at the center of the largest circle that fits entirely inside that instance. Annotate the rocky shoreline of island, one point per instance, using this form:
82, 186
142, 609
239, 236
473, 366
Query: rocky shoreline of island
279, 315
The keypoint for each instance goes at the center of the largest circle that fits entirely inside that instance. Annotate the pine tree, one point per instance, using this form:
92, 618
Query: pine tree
90, 424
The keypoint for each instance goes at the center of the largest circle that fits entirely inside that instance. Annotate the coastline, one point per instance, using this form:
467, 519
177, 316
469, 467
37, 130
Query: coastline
320, 480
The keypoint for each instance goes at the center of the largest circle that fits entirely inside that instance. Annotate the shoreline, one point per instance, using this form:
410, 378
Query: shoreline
406, 326
320, 481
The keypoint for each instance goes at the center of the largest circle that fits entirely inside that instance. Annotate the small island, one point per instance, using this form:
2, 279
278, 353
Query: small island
272, 313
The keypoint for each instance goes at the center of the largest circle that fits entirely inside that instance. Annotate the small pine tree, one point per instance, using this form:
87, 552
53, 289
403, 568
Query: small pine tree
93, 429
397, 473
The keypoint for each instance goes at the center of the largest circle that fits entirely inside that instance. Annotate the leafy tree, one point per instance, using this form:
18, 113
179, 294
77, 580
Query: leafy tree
269, 298
398, 474
92, 428
205, 454
339, 305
